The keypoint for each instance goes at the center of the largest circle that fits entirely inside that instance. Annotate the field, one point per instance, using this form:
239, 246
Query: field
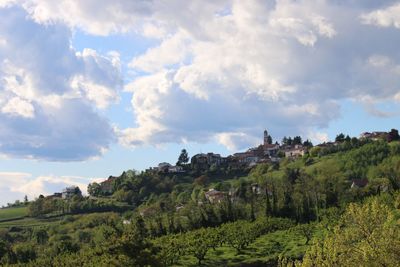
13, 213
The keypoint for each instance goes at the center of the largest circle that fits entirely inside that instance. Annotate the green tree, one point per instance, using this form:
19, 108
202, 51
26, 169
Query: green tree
24, 252
183, 158
41, 236
340, 138
367, 235
94, 189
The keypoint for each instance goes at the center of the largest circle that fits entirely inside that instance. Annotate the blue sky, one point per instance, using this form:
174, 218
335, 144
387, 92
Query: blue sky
117, 85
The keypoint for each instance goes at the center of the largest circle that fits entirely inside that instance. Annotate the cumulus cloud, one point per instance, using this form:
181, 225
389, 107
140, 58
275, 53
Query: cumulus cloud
283, 65
19, 107
384, 17
224, 70
49, 92
15, 185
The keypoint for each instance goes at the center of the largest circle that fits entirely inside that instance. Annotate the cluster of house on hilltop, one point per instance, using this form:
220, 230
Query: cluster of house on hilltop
267, 152
374, 135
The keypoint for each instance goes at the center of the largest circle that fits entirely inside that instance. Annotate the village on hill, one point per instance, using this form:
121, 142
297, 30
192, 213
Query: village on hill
268, 152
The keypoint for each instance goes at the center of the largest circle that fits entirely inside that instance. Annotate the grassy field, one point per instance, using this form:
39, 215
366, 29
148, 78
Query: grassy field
13, 213
265, 249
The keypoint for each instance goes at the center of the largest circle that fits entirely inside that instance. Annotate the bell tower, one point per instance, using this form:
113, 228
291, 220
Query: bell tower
265, 137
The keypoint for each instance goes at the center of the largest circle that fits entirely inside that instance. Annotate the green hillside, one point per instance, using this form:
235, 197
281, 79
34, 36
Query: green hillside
309, 211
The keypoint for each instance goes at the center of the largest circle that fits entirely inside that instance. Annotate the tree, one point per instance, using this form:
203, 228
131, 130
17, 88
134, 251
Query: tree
269, 139
94, 189
134, 245
297, 140
183, 158
25, 199
3, 249
340, 138
308, 143
393, 135
24, 252
200, 241
367, 235
306, 230
41, 236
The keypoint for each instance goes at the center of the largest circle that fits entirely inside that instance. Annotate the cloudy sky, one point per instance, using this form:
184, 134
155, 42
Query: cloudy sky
89, 88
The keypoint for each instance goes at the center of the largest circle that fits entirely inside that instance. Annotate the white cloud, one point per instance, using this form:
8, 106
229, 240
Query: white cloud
236, 141
318, 137
385, 17
19, 107
15, 185
220, 69
43, 79
171, 51
284, 65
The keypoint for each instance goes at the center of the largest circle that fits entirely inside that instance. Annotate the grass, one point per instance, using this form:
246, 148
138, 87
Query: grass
13, 213
266, 249
29, 222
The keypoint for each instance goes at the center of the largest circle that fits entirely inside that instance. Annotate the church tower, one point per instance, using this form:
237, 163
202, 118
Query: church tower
265, 137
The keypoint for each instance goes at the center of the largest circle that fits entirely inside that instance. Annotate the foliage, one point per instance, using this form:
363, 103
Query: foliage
367, 235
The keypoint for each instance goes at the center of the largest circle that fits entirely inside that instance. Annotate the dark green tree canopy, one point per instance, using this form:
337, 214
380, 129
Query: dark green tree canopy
183, 158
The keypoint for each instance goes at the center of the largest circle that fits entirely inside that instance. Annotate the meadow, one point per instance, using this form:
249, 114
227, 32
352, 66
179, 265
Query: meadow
13, 213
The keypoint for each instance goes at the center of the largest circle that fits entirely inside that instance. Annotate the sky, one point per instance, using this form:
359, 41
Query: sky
90, 88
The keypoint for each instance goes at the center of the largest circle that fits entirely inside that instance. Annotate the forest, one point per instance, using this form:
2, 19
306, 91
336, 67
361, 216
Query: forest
334, 206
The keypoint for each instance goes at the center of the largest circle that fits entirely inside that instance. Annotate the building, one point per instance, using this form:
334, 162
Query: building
214, 196
271, 150
108, 185
163, 167
204, 161
256, 189
71, 191
373, 136
359, 183
175, 169
54, 196
296, 151
214, 159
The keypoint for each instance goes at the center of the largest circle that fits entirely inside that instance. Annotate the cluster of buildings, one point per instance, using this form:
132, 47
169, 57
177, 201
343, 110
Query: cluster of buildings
267, 152
374, 135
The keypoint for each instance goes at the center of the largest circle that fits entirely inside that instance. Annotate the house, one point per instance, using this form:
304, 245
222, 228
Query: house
54, 196
214, 159
163, 167
256, 189
71, 191
271, 150
208, 159
359, 183
175, 169
247, 157
214, 196
107, 185
374, 136
199, 161
296, 151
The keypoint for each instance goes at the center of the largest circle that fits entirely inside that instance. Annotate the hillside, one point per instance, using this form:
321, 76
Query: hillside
260, 215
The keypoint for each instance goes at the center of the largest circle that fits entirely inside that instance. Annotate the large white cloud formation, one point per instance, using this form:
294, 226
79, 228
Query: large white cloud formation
49, 92
240, 66
223, 70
